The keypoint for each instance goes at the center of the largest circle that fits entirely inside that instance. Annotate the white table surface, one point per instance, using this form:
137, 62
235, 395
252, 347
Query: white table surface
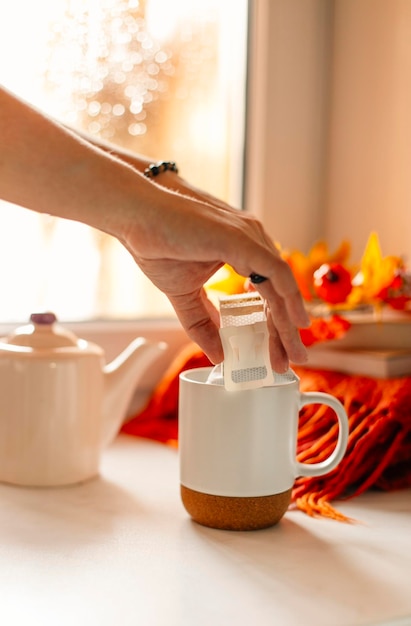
121, 550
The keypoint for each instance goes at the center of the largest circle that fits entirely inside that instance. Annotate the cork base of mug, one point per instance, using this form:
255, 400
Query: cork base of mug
235, 513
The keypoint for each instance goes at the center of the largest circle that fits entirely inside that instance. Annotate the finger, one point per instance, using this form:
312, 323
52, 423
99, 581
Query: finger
200, 320
285, 285
278, 355
288, 333
277, 272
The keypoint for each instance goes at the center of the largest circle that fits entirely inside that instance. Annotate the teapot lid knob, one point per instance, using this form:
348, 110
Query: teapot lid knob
43, 318
43, 334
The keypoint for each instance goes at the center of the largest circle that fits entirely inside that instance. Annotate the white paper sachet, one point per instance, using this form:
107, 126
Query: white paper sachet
244, 335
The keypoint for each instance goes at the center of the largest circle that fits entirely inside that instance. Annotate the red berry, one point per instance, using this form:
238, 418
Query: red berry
332, 283
397, 293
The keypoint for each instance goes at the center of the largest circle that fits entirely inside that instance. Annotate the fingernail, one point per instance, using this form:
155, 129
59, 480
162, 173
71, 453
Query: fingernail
256, 279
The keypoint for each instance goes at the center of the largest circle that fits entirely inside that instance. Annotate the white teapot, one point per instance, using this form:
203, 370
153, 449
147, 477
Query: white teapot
60, 404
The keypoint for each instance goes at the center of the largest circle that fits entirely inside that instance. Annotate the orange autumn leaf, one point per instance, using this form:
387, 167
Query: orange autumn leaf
302, 273
376, 272
227, 281
304, 266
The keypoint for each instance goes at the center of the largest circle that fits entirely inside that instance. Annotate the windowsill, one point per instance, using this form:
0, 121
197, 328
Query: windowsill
115, 335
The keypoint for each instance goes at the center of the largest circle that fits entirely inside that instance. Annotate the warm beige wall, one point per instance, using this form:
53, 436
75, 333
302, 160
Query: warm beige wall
369, 181
290, 55
329, 138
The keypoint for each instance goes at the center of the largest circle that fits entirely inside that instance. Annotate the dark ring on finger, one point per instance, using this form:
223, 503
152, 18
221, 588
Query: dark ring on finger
256, 279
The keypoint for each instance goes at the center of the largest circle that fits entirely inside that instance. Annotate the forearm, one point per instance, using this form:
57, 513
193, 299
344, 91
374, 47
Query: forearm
47, 168
137, 161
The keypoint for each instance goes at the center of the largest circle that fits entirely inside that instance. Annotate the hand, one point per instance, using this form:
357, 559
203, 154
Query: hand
178, 236
183, 242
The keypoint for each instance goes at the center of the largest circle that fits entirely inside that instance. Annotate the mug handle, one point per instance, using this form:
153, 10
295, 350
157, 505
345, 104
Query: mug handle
318, 469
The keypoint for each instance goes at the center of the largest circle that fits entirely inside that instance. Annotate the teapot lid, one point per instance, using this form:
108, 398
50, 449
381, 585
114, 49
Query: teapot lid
42, 332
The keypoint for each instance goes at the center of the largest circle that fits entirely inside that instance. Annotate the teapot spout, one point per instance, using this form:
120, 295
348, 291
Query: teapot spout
122, 377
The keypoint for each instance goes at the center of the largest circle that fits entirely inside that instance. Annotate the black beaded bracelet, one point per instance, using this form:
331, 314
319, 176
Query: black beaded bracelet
162, 166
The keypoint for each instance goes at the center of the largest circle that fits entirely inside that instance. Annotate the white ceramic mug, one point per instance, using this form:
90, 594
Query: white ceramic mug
238, 449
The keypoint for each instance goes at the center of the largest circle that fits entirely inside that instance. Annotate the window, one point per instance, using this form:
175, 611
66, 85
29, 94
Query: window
166, 79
